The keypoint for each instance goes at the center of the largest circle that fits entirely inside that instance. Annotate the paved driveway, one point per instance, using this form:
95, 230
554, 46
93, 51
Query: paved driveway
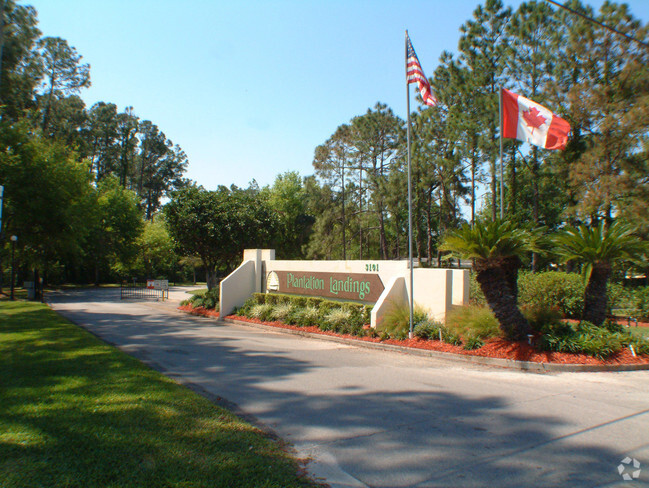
384, 419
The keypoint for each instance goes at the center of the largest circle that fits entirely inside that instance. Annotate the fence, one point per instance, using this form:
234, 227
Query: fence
140, 291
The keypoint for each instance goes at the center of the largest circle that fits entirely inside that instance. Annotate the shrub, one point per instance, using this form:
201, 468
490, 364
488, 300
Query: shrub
476, 297
540, 315
642, 302
336, 318
261, 311
640, 345
314, 301
584, 338
428, 330
565, 291
307, 316
281, 312
308, 311
630, 302
397, 321
473, 343
473, 321
450, 337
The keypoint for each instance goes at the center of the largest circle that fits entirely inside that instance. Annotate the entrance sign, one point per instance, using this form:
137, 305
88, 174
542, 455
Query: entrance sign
157, 284
380, 283
347, 286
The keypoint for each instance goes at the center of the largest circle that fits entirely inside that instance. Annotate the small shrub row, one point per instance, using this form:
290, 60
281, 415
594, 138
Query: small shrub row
467, 326
586, 338
341, 317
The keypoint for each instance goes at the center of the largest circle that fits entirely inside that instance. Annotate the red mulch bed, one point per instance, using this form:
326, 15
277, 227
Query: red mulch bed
202, 311
493, 348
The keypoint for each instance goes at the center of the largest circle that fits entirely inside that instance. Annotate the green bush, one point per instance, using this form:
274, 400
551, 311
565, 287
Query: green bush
476, 297
307, 316
450, 337
630, 302
396, 322
262, 311
428, 330
473, 343
584, 338
207, 299
640, 345
553, 289
540, 315
308, 311
473, 321
281, 312
336, 320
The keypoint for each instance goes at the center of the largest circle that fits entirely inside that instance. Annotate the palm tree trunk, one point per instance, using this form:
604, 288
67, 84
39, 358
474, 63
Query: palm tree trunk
496, 285
595, 298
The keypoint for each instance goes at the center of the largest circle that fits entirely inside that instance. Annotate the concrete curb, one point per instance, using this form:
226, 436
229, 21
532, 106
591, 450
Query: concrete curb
530, 366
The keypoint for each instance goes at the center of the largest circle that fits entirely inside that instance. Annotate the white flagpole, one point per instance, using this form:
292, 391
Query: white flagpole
500, 123
410, 334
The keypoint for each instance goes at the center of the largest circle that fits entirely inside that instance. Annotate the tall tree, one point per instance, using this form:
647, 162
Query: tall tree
377, 137
102, 135
21, 64
483, 49
159, 169
47, 196
287, 198
609, 100
219, 225
333, 161
63, 73
116, 225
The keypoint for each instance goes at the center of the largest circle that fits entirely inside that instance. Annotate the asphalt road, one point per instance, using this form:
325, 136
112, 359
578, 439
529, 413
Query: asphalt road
386, 419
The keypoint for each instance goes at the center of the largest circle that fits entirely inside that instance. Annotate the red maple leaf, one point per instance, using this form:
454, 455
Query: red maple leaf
533, 118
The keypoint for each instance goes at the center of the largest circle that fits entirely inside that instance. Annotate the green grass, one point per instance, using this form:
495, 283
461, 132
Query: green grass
76, 412
638, 331
199, 291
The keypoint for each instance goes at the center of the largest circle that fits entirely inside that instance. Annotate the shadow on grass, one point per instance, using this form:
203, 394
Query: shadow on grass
75, 412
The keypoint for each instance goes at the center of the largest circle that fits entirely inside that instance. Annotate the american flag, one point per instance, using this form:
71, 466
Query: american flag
414, 73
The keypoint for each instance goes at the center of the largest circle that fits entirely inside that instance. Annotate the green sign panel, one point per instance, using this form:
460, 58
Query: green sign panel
348, 286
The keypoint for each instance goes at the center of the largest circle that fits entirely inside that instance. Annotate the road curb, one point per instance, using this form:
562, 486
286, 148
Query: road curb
530, 366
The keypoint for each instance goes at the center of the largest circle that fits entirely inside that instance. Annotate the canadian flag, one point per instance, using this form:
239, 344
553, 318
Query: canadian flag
528, 121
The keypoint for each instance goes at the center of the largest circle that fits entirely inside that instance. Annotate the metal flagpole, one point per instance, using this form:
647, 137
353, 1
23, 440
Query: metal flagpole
410, 334
500, 123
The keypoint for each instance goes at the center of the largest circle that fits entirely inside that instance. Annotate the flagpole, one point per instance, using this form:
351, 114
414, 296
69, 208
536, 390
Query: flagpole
500, 123
410, 334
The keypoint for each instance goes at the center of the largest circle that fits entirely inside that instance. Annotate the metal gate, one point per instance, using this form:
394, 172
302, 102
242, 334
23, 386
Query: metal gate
142, 291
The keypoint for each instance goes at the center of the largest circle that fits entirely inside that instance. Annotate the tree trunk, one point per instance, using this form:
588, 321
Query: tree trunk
495, 283
211, 277
595, 298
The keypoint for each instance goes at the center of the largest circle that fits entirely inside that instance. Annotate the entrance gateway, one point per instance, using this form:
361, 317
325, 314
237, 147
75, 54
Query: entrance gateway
385, 284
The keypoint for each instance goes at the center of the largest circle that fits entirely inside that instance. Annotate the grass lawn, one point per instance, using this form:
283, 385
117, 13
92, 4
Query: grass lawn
638, 331
76, 412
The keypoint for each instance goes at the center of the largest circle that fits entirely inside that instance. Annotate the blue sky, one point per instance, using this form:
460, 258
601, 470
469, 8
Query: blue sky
247, 88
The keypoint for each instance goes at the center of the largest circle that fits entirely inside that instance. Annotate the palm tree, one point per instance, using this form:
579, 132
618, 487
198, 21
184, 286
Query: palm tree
496, 248
598, 247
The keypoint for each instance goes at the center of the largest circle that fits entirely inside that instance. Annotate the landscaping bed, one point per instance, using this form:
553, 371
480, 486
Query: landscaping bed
492, 348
